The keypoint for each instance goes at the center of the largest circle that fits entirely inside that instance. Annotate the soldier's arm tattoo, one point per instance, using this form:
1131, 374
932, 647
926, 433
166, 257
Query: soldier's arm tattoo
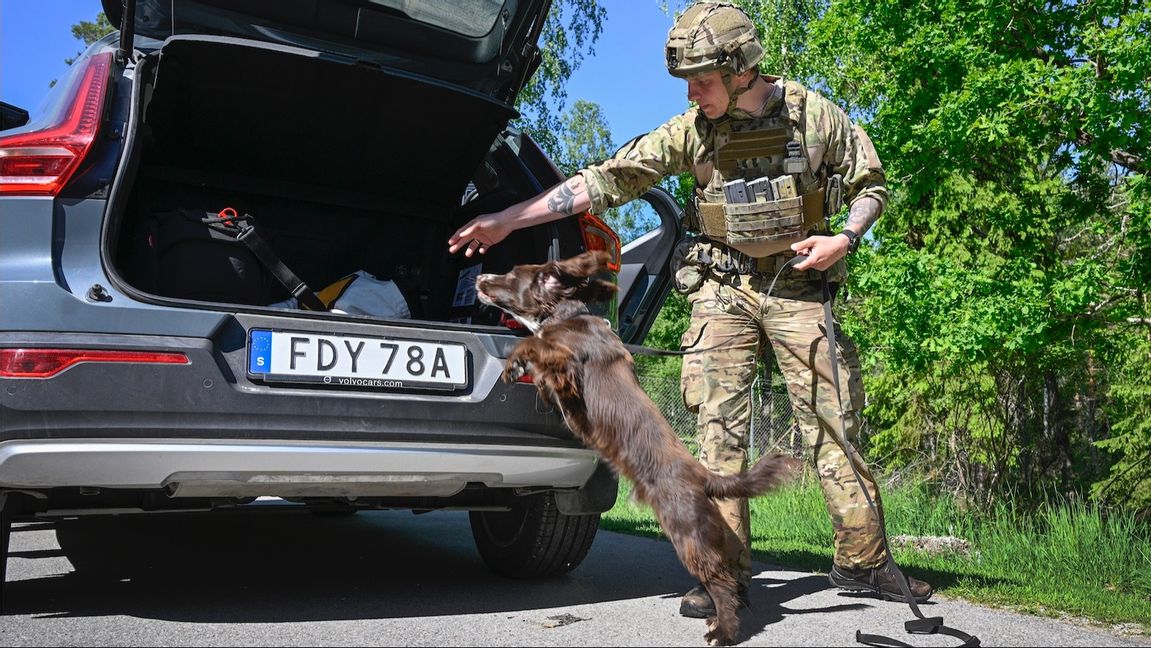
864, 213
562, 200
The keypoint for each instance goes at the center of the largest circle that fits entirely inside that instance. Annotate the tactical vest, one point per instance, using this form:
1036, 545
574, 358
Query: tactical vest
750, 149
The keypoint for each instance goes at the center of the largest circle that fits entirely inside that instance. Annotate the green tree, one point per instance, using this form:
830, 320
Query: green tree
90, 32
1002, 310
584, 137
569, 34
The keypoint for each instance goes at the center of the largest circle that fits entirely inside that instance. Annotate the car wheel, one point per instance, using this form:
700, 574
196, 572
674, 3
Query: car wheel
533, 540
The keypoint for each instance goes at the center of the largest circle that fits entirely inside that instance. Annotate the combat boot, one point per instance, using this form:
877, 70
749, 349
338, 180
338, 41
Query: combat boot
879, 580
697, 602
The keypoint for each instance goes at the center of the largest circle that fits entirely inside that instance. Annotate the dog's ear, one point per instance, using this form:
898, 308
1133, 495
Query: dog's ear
573, 279
584, 265
602, 259
555, 287
596, 290
559, 278
550, 281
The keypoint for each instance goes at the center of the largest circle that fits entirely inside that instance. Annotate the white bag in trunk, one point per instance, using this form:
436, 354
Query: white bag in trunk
360, 293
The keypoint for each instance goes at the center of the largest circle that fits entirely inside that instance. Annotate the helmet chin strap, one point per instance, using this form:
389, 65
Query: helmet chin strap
734, 93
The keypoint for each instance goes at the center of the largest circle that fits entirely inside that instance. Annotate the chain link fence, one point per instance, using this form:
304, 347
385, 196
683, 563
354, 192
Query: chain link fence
772, 427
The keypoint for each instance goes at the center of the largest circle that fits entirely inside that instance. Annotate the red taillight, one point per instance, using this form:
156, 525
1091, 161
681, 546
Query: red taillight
39, 163
45, 363
598, 236
510, 322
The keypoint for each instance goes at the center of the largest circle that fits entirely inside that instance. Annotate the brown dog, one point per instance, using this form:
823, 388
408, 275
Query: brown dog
580, 366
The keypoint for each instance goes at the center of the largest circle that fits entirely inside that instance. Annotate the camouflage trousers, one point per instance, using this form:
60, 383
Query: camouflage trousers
732, 322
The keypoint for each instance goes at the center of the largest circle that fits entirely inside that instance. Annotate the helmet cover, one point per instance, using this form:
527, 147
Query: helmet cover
712, 36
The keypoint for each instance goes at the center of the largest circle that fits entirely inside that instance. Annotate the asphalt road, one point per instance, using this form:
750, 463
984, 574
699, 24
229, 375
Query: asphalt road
288, 578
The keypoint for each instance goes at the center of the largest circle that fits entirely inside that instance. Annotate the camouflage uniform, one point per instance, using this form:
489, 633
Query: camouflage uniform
733, 319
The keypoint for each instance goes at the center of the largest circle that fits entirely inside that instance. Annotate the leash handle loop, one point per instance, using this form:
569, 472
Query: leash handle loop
925, 625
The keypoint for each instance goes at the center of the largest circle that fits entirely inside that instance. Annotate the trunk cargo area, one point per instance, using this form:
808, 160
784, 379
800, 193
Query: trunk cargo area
344, 167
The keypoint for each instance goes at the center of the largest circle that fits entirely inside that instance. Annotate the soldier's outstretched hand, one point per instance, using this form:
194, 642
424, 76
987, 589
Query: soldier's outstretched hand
821, 251
479, 234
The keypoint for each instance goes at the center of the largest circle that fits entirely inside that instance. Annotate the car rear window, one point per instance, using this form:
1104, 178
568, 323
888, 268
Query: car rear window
467, 17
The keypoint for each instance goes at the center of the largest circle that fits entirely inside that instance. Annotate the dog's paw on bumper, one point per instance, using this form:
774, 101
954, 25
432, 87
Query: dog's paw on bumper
515, 370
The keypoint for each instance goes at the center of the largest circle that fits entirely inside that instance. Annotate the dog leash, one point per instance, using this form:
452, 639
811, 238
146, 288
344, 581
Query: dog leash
921, 624
636, 349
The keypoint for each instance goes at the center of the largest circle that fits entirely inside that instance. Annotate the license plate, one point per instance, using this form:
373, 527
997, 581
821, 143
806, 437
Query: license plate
348, 361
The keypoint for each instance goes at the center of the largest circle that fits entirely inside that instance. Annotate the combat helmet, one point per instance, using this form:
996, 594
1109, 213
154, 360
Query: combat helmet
712, 36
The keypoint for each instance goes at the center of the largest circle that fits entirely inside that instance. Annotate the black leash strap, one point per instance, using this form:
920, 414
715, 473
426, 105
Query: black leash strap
243, 228
921, 624
636, 349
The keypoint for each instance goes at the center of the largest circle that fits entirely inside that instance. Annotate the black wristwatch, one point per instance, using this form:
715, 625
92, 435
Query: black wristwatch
853, 239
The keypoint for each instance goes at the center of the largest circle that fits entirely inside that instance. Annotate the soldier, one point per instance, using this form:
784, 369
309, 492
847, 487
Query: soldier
770, 159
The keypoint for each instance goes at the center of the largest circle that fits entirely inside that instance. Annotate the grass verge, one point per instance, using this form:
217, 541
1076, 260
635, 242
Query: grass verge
1067, 559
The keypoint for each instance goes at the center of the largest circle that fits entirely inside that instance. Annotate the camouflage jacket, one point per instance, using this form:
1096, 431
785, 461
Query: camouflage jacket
685, 143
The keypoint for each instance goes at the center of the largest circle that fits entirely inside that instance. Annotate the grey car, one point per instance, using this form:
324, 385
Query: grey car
151, 361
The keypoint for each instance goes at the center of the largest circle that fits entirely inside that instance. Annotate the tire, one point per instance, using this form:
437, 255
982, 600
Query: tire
533, 540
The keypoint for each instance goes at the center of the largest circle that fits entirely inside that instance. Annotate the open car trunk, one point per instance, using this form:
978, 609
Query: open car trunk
343, 167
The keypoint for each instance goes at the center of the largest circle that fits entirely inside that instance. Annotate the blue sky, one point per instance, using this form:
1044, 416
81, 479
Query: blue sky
35, 38
626, 76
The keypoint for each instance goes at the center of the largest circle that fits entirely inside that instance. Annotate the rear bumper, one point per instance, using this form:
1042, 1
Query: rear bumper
196, 468
205, 430
212, 399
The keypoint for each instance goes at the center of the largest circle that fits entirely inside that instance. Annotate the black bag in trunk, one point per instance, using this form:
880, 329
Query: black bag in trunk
196, 261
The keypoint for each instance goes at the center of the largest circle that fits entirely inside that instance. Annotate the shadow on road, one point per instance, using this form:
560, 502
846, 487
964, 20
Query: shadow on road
288, 566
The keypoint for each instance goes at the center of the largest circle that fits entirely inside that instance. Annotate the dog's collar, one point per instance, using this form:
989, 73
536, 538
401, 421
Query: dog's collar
564, 310
531, 324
